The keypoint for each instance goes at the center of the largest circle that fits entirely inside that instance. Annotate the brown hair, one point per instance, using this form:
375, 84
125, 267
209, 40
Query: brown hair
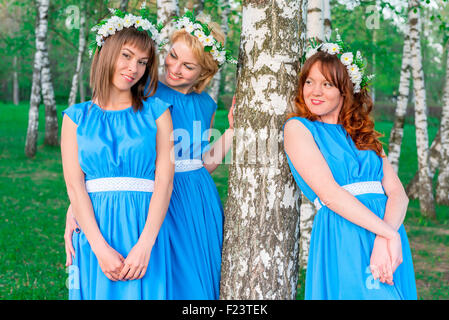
205, 59
104, 61
356, 109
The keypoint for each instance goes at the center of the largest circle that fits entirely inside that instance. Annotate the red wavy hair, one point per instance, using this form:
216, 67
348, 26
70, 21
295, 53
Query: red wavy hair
356, 109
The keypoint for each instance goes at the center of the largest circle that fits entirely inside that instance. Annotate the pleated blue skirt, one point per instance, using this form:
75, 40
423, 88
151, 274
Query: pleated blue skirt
121, 217
339, 259
194, 222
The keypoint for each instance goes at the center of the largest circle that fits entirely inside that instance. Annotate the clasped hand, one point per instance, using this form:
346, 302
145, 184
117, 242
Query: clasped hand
385, 258
111, 262
117, 268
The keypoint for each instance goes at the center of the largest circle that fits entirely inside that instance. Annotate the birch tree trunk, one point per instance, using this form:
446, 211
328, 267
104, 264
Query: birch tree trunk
397, 133
35, 98
315, 21
166, 10
260, 249
317, 13
426, 198
48, 95
81, 84
412, 188
79, 60
442, 194
216, 81
327, 19
15, 82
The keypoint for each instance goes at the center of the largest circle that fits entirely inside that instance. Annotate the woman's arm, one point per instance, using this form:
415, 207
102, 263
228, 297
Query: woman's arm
397, 202
138, 258
214, 157
311, 165
108, 258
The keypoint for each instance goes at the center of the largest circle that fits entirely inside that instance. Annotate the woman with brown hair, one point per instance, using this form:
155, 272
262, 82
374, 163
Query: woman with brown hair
194, 220
358, 247
116, 152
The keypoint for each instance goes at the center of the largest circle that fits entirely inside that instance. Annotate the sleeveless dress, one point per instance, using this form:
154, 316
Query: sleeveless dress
118, 144
194, 219
340, 251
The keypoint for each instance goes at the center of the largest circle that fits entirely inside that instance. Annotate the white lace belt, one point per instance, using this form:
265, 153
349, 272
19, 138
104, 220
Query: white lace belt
119, 184
188, 165
357, 189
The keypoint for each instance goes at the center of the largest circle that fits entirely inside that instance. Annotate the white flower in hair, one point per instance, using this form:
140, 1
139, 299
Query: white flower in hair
99, 40
353, 69
200, 35
208, 41
331, 48
110, 29
128, 20
189, 27
138, 22
347, 58
198, 26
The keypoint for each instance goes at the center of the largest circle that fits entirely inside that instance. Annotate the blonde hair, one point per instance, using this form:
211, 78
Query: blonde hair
104, 62
205, 59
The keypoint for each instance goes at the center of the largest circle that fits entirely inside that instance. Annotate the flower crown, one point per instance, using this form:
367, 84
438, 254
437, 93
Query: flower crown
120, 20
200, 30
355, 64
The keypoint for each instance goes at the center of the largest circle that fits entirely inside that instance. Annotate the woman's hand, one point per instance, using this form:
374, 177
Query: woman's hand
231, 114
136, 263
380, 262
395, 250
110, 261
70, 226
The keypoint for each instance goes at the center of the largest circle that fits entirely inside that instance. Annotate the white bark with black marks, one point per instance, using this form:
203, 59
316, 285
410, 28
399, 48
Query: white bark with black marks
397, 132
82, 41
261, 232
166, 10
426, 198
442, 194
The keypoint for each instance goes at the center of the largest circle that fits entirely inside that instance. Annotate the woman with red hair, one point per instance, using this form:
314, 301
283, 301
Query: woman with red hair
359, 248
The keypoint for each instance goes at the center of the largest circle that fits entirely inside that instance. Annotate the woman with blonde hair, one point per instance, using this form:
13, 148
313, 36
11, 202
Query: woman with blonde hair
358, 247
194, 220
116, 152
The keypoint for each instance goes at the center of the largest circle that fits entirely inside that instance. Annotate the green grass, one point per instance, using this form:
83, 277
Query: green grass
34, 202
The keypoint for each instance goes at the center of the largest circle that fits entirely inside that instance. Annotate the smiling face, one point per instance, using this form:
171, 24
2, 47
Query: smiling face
321, 96
182, 69
129, 68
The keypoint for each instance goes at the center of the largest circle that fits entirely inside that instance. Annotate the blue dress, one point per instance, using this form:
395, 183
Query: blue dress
340, 251
118, 144
194, 219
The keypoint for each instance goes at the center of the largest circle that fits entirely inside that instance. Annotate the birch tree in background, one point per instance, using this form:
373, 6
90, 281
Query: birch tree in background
260, 249
397, 132
216, 81
327, 19
51, 117
426, 199
82, 40
35, 99
15, 81
318, 22
442, 194
166, 10
315, 20
412, 188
